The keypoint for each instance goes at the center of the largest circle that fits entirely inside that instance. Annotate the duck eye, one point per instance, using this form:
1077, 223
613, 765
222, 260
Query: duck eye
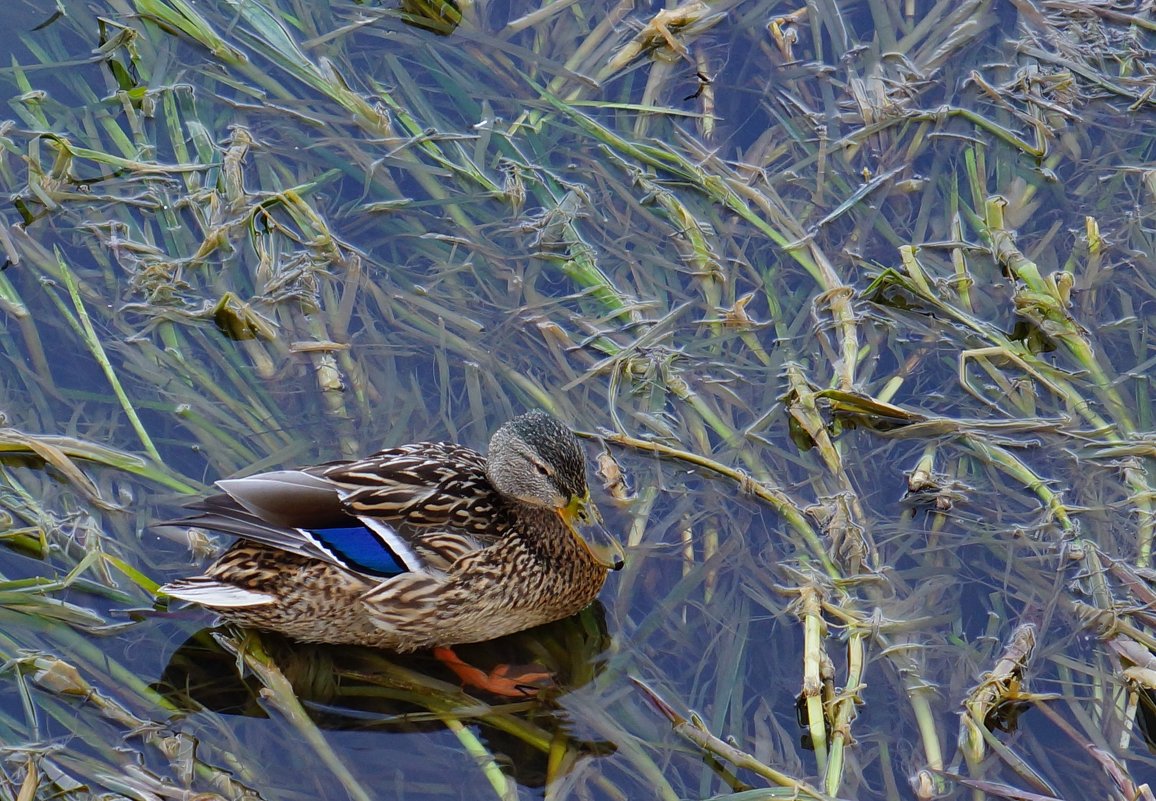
542, 469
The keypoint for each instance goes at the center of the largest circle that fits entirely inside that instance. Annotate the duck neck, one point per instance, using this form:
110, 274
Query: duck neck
543, 533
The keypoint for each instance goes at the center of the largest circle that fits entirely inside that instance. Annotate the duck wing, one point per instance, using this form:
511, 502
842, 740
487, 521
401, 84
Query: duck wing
436, 484
415, 509
301, 513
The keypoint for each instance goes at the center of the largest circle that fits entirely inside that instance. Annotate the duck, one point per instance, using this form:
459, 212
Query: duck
422, 546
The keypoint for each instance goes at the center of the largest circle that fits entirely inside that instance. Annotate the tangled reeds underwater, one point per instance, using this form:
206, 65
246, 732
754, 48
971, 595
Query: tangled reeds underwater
852, 302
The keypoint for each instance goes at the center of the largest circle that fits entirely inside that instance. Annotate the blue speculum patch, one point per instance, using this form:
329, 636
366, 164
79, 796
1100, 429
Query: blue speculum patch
360, 549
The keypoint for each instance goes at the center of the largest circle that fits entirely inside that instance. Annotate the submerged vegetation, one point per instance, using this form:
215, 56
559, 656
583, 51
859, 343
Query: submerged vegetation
854, 301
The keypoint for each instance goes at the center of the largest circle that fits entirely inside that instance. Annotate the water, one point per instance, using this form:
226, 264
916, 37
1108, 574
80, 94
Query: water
362, 233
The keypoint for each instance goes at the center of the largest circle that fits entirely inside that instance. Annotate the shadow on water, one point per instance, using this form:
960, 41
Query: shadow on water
365, 690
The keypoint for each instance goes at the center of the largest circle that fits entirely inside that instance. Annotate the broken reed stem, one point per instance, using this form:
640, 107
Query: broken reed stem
474, 748
693, 730
1049, 297
844, 711
280, 695
777, 500
97, 350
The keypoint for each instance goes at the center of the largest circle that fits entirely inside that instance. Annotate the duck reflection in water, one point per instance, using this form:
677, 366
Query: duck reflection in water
354, 688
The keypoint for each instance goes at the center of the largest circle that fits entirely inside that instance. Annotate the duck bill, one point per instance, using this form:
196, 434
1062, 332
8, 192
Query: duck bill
605, 550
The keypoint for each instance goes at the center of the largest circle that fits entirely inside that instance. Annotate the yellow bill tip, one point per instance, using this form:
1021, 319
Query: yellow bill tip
609, 554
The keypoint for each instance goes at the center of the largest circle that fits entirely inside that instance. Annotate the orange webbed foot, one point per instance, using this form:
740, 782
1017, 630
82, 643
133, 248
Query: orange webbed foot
507, 681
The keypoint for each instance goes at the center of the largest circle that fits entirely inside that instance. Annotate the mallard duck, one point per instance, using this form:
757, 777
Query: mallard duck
423, 545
